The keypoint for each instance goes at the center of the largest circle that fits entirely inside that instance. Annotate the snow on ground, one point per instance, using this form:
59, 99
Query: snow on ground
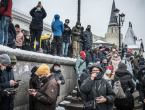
60, 108
24, 52
65, 102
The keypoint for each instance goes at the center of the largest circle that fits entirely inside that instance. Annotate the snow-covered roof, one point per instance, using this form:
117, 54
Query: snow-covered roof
138, 43
100, 41
133, 47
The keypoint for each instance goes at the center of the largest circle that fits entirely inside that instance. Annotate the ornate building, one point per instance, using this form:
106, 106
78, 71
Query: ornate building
112, 35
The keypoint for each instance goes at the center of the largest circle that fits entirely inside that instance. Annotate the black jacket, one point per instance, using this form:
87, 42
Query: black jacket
103, 88
102, 55
88, 58
26, 44
139, 77
66, 34
33, 84
104, 67
58, 76
45, 45
37, 19
126, 82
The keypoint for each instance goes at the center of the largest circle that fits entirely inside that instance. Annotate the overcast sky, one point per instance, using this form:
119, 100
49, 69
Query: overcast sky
93, 12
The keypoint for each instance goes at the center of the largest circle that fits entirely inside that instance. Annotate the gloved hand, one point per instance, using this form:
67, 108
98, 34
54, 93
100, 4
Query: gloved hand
137, 81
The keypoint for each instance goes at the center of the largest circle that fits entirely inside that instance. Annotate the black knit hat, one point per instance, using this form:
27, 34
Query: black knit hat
17, 26
128, 55
56, 64
34, 69
122, 66
100, 47
107, 49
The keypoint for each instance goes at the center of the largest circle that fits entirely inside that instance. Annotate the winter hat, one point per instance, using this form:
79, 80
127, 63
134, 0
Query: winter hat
56, 16
23, 30
83, 54
122, 66
43, 70
56, 64
97, 59
100, 47
13, 59
17, 26
128, 55
110, 54
107, 49
34, 69
89, 65
5, 60
89, 26
104, 59
110, 67
89, 47
104, 46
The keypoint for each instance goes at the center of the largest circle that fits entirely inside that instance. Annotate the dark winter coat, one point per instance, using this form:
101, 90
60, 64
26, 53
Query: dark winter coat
5, 83
88, 38
45, 45
26, 44
33, 84
11, 34
126, 82
88, 58
66, 34
58, 76
139, 77
88, 87
46, 96
102, 55
104, 67
37, 19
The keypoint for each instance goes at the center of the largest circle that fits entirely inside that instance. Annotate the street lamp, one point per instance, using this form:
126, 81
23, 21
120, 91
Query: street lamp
79, 10
121, 20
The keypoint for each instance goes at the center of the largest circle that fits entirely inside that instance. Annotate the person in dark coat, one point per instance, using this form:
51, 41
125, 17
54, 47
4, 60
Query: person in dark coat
36, 27
104, 65
4, 61
46, 95
104, 92
26, 43
88, 56
11, 35
45, 45
125, 78
97, 60
34, 83
103, 53
66, 37
56, 70
88, 37
8, 81
124, 50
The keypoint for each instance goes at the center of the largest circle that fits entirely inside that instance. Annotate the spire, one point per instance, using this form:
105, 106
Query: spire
130, 24
113, 21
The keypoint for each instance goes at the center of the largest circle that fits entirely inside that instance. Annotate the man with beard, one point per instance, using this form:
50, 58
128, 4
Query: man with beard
8, 81
46, 96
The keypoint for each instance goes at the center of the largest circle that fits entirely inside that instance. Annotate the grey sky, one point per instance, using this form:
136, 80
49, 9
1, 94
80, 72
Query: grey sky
93, 12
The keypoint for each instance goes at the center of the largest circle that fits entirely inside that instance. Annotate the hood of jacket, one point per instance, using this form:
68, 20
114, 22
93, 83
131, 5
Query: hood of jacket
77, 23
121, 72
34, 76
101, 70
141, 68
53, 70
56, 17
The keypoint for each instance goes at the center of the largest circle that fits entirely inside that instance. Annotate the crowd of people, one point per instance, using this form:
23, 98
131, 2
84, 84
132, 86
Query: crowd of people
44, 85
66, 42
106, 78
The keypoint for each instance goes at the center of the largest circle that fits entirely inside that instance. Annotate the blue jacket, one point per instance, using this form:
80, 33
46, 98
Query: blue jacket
57, 26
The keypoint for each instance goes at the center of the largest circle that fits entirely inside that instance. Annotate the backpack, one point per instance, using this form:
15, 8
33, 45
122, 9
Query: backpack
118, 90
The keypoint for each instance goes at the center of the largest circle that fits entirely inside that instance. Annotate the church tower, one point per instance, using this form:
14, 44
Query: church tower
112, 35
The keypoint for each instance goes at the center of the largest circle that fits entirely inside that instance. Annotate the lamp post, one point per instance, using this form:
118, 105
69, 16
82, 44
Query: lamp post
120, 18
79, 10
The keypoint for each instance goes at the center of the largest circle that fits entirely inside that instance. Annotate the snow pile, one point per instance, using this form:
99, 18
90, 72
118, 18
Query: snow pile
33, 54
65, 102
